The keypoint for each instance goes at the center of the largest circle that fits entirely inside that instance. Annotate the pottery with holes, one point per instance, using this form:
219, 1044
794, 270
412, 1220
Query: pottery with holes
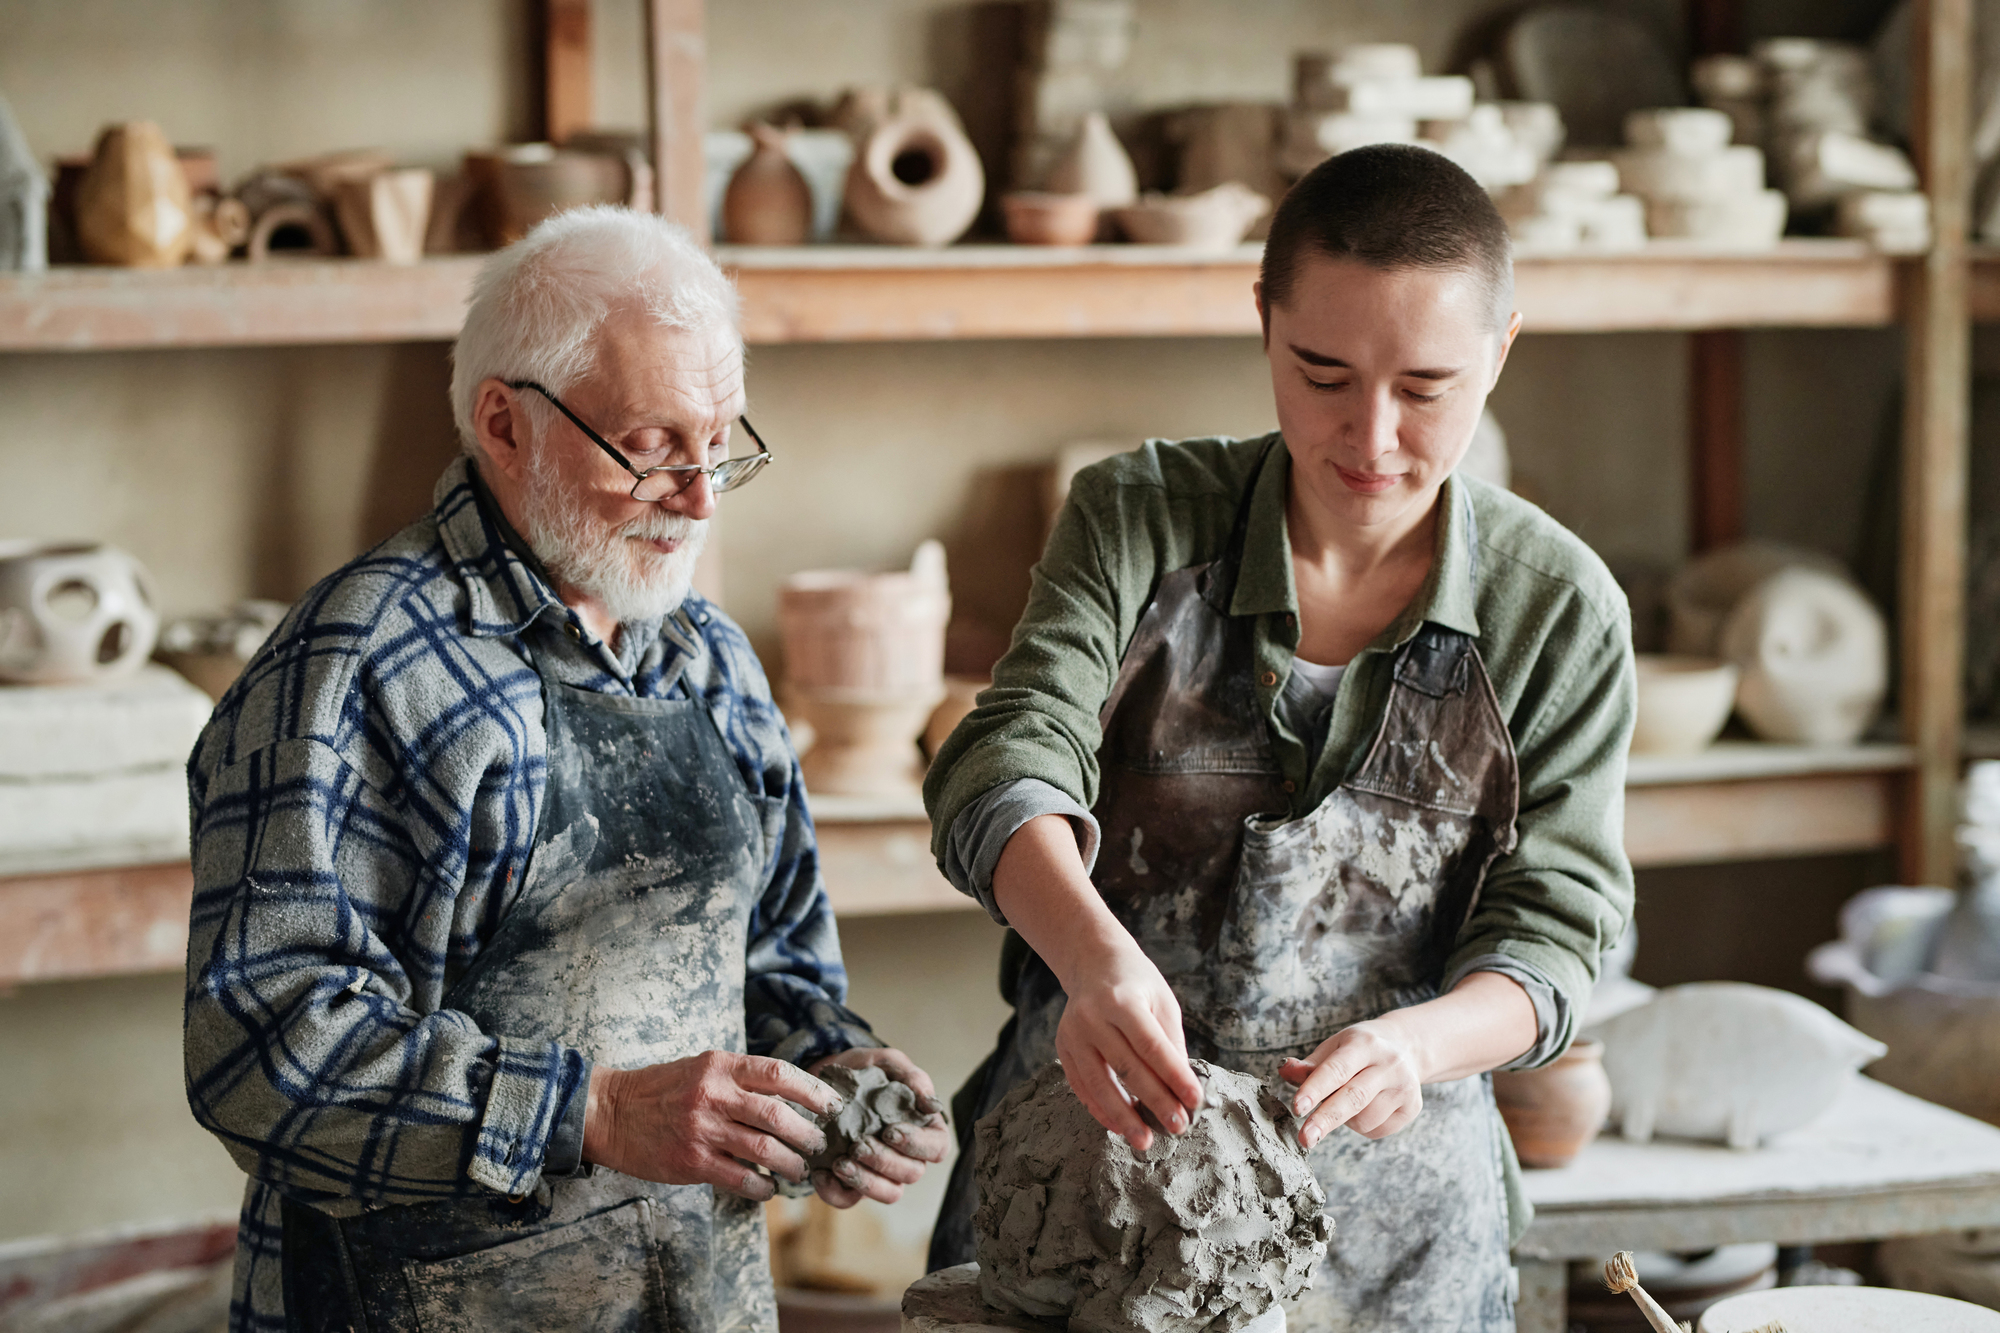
72, 612
916, 178
864, 666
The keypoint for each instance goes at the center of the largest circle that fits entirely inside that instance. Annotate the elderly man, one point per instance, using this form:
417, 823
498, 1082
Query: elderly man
509, 943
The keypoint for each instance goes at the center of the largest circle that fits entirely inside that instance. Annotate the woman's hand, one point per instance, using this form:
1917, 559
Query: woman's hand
1365, 1077
879, 1169
1121, 1034
1370, 1077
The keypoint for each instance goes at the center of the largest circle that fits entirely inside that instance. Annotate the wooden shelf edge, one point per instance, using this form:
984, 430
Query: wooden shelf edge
126, 921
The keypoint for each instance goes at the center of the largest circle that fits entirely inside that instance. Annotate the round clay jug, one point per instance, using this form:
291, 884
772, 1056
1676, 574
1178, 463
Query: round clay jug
133, 206
916, 178
72, 612
1097, 165
768, 201
1553, 1111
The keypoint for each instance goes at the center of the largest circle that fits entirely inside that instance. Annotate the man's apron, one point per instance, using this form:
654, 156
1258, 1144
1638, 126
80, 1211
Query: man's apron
627, 942
1276, 933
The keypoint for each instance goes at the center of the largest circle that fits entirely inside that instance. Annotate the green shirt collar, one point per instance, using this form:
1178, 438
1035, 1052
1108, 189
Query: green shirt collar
1264, 584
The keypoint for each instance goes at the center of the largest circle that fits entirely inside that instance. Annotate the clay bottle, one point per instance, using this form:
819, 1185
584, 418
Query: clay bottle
916, 178
1096, 164
768, 201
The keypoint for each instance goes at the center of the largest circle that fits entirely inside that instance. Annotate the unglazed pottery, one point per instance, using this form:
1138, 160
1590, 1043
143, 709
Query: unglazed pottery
864, 667
1553, 1111
517, 186
1212, 220
1050, 219
1703, 592
1814, 653
1683, 702
72, 612
1726, 1062
768, 201
1095, 164
133, 206
385, 216
916, 178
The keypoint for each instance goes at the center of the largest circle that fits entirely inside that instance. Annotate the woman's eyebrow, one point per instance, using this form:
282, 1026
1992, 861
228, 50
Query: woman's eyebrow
1312, 358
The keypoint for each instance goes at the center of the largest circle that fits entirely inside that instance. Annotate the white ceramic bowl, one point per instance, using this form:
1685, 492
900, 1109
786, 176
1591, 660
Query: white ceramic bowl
1847, 1310
1683, 702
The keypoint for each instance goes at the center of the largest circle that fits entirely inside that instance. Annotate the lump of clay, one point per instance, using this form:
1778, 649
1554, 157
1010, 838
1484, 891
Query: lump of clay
1203, 1231
871, 1101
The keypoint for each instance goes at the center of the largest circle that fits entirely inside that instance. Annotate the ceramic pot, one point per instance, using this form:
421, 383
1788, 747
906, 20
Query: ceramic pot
864, 667
768, 201
1050, 219
1814, 653
386, 216
518, 186
1683, 702
1212, 220
1097, 165
133, 206
916, 178
1553, 1111
72, 612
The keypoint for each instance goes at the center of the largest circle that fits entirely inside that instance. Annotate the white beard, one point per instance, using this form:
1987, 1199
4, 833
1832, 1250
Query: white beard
613, 565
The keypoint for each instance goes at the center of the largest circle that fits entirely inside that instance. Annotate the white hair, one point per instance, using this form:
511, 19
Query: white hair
537, 305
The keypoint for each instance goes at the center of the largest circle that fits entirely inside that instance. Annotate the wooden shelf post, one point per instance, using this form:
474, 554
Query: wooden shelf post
568, 102
1937, 370
676, 58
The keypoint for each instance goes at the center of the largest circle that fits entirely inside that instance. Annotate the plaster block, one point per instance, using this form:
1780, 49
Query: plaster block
1735, 172
147, 720
1693, 130
75, 823
1746, 222
1442, 97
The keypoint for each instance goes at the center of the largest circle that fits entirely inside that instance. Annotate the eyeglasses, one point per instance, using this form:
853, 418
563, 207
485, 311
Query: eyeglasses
654, 484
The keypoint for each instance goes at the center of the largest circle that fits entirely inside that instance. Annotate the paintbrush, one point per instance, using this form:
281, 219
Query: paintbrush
1619, 1275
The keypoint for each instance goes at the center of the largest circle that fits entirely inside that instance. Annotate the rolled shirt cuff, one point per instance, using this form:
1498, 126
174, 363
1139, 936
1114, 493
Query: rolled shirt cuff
522, 1104
981, 831
565, 1152
1554, 1022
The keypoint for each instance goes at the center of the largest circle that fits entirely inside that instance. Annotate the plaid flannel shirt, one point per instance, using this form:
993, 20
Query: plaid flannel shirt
364, 803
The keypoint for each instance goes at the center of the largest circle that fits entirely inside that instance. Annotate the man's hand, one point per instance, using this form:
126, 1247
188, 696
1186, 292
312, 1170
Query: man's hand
699, 1121
879, 1170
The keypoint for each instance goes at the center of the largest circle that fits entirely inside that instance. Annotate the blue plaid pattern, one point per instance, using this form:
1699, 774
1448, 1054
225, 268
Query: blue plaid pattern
364, 802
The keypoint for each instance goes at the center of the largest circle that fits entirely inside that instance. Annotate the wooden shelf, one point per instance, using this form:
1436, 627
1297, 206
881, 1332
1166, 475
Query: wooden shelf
886, 294
1740, 801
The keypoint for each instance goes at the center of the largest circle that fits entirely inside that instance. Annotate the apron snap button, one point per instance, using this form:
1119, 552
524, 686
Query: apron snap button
1290, 786
1270, 678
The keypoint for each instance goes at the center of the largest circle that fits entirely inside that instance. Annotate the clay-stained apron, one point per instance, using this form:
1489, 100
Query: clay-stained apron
626, 941
1275, 933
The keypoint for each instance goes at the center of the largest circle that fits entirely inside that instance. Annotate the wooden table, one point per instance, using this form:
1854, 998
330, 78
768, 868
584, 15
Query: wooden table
1879, 1163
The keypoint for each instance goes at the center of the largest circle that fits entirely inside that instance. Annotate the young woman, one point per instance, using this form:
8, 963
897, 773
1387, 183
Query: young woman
1308, 758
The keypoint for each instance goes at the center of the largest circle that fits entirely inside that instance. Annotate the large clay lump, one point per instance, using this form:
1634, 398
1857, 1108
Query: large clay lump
1203, 1231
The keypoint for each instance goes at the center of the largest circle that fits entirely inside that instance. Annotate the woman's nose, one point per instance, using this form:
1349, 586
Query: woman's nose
1373, 432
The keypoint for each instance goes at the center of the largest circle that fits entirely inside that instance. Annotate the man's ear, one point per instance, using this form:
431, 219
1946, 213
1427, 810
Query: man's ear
501, 428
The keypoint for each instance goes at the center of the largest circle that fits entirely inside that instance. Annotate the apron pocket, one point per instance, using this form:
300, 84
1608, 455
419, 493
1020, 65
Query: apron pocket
596, 1275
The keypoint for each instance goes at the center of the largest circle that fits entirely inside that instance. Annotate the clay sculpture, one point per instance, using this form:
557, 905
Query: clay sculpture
768, 201
871, 1102
1814, 653
1203, 1232
385, 215
24, 201
133, 206
916, 178
1726, 1062
1096, 165
72, 612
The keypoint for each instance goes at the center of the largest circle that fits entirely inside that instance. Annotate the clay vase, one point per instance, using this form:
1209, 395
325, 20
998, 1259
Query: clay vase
1095, 164
916, 178
72, 612
768, 201
133, 206
864, 667
521, 184
1553, 1111
385, 216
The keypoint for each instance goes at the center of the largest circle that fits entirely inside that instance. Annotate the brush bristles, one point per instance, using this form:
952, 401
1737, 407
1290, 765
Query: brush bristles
1619, 1275
1773, 1327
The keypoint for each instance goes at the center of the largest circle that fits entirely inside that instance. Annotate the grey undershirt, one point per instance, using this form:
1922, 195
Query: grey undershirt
981, 831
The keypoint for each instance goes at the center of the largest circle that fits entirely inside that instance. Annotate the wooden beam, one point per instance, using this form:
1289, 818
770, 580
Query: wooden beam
676, 57
95, 923
1759, 818
1937, 375
568, 101
1715, 438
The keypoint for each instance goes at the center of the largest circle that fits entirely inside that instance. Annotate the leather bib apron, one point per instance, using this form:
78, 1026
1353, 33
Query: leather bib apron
626, 941
1275, 933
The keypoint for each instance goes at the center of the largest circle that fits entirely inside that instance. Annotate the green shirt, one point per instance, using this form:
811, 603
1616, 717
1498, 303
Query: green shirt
1551, 625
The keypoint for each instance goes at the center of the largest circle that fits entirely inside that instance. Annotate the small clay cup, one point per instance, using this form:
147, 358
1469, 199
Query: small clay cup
1034, 218
1553, 1111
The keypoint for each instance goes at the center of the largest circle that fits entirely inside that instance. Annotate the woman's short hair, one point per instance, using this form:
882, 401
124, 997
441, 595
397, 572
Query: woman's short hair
537, 305
1391, 206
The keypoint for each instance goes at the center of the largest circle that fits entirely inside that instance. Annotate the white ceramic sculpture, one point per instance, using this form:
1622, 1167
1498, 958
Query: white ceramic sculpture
1726, 1062
1683, 702
72, 612
24, 201
1702, 593
1814, 653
